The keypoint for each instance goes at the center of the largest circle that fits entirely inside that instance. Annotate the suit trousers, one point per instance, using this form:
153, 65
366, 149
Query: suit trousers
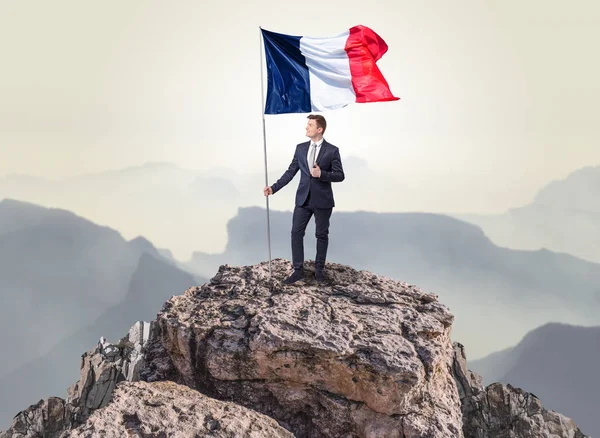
299, 222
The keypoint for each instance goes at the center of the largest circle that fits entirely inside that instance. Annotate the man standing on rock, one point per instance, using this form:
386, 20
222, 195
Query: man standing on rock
320, 164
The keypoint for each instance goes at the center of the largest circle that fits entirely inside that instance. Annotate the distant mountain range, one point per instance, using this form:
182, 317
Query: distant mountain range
496, 293
149, 199
559, 364
180, 209
64, 282
564, 216
173, 207
57, 272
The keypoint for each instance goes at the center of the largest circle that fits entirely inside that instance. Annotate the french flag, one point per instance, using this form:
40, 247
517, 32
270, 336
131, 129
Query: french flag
307, 74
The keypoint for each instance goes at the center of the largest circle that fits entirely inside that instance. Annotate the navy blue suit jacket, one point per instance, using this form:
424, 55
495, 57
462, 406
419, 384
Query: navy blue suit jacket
321, 194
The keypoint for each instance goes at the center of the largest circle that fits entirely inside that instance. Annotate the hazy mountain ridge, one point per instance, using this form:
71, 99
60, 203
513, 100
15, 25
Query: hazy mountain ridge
57, 271
168, 204
564, 216
141, 200
579, 191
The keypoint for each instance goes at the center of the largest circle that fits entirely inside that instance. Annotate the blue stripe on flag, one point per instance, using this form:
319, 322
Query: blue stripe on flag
288, 86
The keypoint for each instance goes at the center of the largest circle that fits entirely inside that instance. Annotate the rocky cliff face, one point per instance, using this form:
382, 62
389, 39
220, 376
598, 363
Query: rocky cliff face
503, 411
359, 356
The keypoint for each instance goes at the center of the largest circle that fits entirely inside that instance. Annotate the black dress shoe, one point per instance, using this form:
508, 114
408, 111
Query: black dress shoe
319, 276
297, 275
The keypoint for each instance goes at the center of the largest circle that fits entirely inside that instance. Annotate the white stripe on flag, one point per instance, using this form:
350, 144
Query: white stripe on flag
328, 72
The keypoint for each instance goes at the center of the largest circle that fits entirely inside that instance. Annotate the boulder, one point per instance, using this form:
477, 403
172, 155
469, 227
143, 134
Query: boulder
166, 409
360, 355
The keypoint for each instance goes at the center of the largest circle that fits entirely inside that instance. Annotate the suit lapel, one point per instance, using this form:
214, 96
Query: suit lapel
321, 151
304, 157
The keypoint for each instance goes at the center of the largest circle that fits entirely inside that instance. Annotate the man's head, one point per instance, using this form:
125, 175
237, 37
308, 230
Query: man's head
315, 127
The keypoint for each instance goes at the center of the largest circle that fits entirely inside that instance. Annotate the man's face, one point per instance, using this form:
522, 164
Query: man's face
311, 128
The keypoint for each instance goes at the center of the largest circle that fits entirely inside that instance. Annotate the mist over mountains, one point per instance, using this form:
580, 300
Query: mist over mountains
161, 201
57, 272
579, 191
564, 216
150, 199
180, 209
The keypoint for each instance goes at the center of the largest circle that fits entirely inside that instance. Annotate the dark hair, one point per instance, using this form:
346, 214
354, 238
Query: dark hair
320, 120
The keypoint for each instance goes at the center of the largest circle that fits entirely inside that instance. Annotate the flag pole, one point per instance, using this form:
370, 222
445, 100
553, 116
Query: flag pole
262, 90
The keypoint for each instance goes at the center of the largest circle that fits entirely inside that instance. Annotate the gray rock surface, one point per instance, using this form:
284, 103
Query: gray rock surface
361, 355
101, 369
503, 411
47, 418
166, 409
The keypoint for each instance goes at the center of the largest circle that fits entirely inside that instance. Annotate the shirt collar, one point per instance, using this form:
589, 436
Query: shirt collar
319, 143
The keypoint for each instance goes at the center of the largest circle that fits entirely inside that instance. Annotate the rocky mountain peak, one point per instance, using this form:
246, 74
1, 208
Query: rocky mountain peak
360, 355
346, 354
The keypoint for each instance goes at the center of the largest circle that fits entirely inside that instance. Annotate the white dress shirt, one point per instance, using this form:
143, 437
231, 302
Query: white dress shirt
319, 143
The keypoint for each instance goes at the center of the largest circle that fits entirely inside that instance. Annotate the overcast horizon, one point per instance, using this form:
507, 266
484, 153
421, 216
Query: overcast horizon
417, 205
497, 100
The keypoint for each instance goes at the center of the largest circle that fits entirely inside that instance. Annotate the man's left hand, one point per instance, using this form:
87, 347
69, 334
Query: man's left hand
316, 171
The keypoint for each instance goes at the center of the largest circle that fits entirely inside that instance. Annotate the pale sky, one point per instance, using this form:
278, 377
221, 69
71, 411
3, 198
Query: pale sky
497, 98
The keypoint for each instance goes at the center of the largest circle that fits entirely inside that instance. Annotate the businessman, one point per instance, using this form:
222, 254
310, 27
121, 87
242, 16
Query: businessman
319, 164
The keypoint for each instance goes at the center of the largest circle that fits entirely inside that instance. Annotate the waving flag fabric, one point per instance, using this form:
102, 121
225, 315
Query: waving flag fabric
318, 74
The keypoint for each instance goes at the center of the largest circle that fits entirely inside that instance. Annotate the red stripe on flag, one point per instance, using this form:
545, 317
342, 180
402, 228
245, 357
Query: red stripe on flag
364, 48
